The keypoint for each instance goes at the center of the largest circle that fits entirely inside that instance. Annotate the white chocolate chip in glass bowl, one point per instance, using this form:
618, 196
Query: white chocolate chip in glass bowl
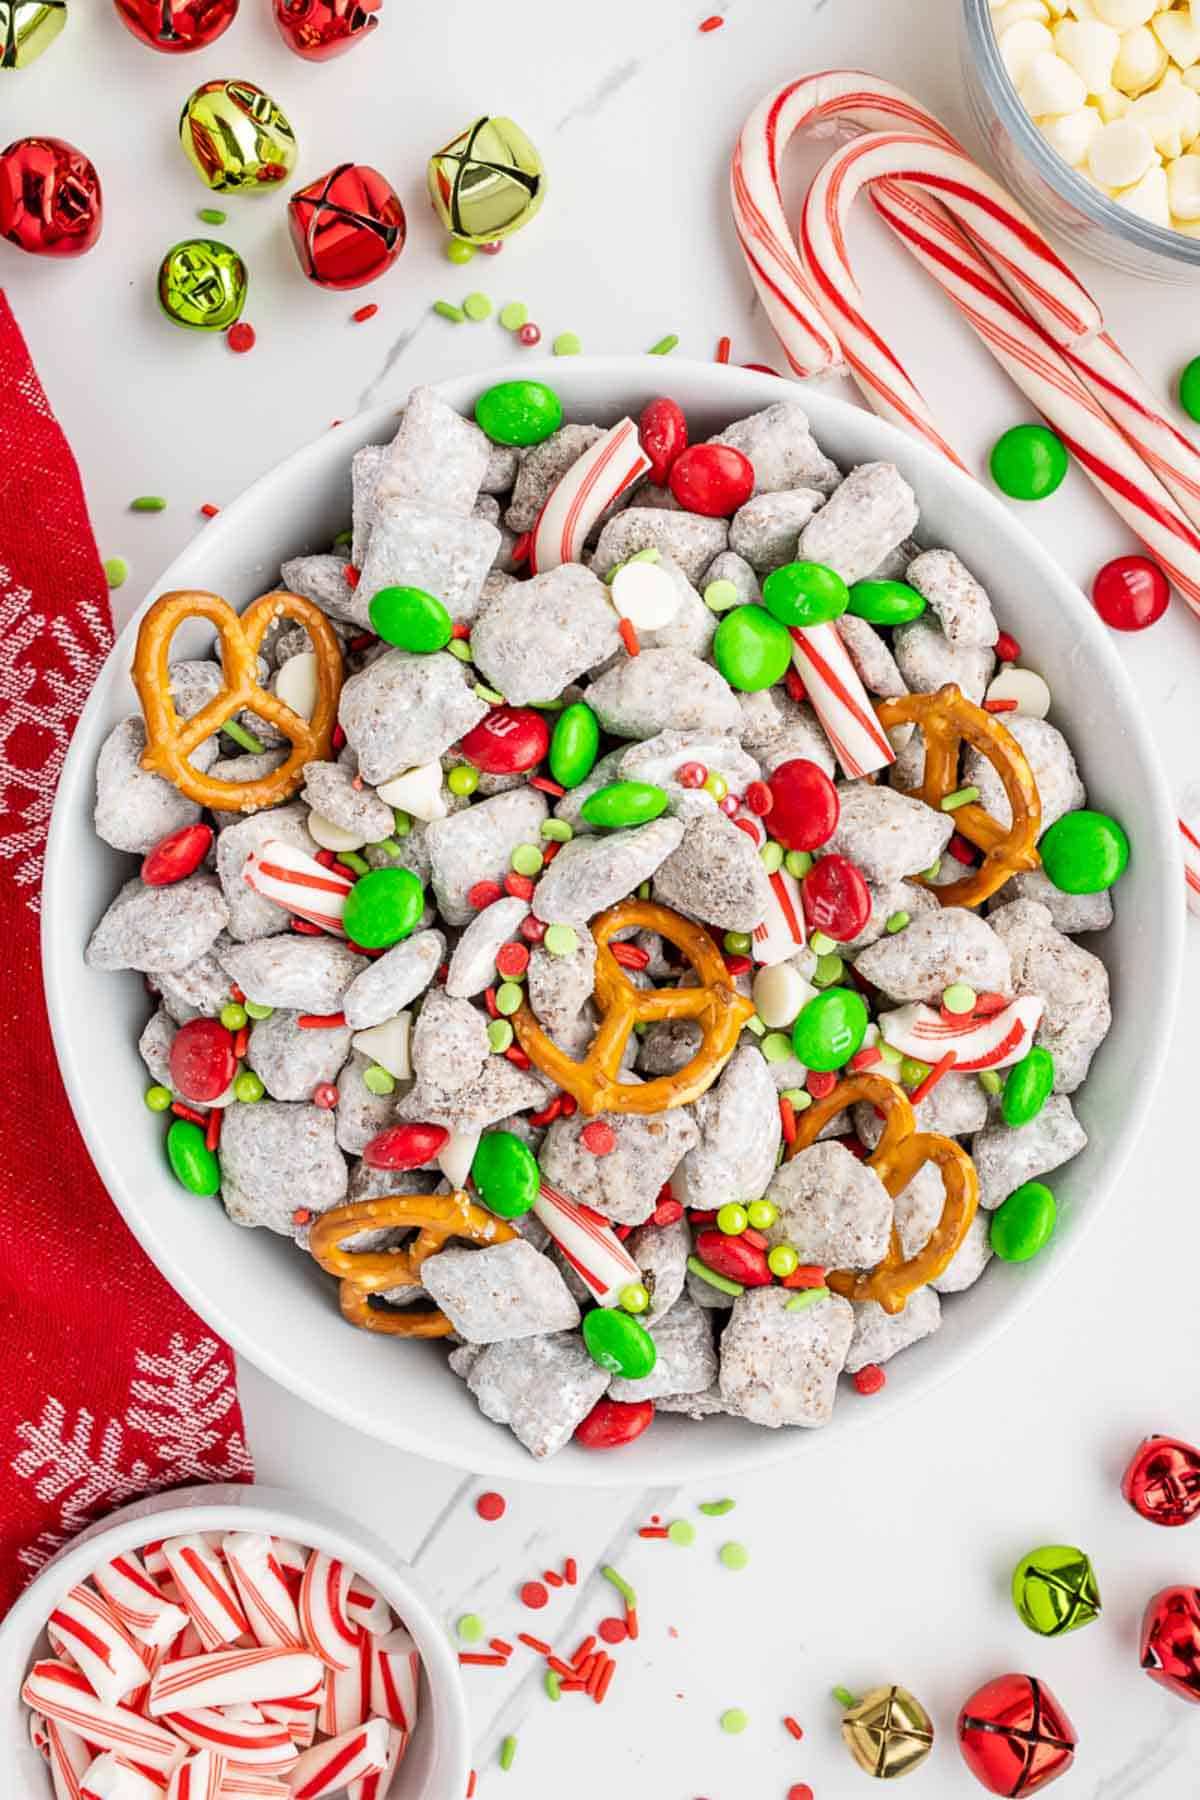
1171, 115
1183, 188
1112, 104
1124, 13
1091, 49
1020, 44
1120, 154
1141, 61
1071, 133
1148, 197
1179, 34
1013, 12
1050, 85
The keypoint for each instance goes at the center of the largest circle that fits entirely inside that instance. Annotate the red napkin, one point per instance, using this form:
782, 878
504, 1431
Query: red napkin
110, 1387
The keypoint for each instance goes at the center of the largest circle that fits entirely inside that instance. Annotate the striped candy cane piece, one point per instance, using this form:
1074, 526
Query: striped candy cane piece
206, 1591
252, 1743
299, 883
840, 701
65, 1697
201, 1777
138, 1601
266, 1599
329, 1631
111, 1778
589, 1244
781, 931
85, 1625
990, 1043
396, 1680
237, 1783
39, 1736
368, 1608
1191, 865
591, 484
70, 1757
153, 1560
347, 1701
225, 1676
329, 1767
378, 1785
299, 1719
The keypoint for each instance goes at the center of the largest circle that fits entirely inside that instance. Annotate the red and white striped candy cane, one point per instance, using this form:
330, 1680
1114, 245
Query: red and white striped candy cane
781, 930
329, 1767
299, 883
989, 1043
86, 1627
614, 462
347, 1700
589, 1243
840, 700
109, 1777
248, 1784
69, 1757
329, 1631
368, 1608
65, 1697
396, 1680
205, 1590
1191, 864
201, 1777
138, 1601
298, 1714
225, 1676
253, 1743
266, 1599
378, 1785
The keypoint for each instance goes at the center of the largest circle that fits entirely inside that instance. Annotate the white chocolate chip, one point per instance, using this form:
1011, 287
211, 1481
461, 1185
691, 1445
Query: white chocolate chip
1183, 188
1179, 34
1027, 689
1011, 12
1148, 197
1082, 9
1141, 62
332, 837
1111, 105
645, 595
1020, 44
1091, 49
1120, 154
1171, 114
389, 1045
455, 1157
1124, 13
1051, 86
297, 683
779, 993
418, 791
1071, 133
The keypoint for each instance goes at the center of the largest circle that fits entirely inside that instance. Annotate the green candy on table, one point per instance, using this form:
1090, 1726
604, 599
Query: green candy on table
1054, 1590
411, 619
505, 1174
805, 593
886, 602
519, 412
1027, 1087
193, 1164
1029, 462
1189, 389
619, 1343
383, 907
574, 745
751, 649
1084, 852
829, 1029
624, 803
1023, 1225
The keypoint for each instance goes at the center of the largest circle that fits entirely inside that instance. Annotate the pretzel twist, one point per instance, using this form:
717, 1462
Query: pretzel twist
946, 720
899, 1154
436, 1218
717, 1007
170, 741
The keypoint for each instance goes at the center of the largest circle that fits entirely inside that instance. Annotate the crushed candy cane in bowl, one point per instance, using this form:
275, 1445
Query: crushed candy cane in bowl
228, 1643
643, 897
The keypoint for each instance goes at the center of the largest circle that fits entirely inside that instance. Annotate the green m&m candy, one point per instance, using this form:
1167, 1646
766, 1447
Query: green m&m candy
411, 619
1027, 1087
193, 1164
505, 1174
519, 412
1029, 462
751, 649
383, 907
574, 745
1022, 1226
619, 1343
1084, 852
1189, 389
886, 602
624, 803
829, 1029
805, 593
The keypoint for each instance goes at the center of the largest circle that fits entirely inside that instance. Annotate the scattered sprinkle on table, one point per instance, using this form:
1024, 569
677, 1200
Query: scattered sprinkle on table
567, 343
713, 22
714, 1509
553, 1685
870, 1379
508, 1751
477, 306
800, 1790
212, 215
622, 1586
844, 1697
794, 1730
734, 1719
364, 313
148, 503
734, 1555
681, 1532
241, 337
664, 345
470, 1628
116, 571
491, 1506
612, 1631
513, 315
209, 510
446, 309
534, 1595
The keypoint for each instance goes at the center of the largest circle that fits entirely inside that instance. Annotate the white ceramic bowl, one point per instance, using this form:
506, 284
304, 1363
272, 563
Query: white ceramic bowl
276, 1306
436, 1763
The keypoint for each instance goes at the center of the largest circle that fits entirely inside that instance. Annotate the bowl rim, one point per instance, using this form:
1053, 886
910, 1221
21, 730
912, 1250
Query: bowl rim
1053, 168
755, 391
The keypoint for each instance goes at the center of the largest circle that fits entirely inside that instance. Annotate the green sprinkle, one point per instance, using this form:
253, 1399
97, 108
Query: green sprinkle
212, 215
499, 1036
959, 997
343, 538
148, 503
734, 1720
557, 830
470, 1628
116, 571
733, 1556
889, 1054
897, 922
963, 797
805, 1298
567, 343
720, 1282
508, 1751
799, 1097
716, 1509
526, 859
798, 863
820, 945
912, 1072
458, 250
681, 1532
664, 346
755, 1024
776, 1046
486, 693
255, 1010
737, 942
828, 970
378, 1081
248, 1087
771, 856
933, 871
650, 554
560, 940
403, 824
460, 647
990, 1082
508, 998
719, 596
844, 1697
477, 306
548, 705
157, 1098
514, 315
389, 845
622, 1586
644, 891
463, 780
232, 1016
446, 309
353, 860
241, 736
551, 1683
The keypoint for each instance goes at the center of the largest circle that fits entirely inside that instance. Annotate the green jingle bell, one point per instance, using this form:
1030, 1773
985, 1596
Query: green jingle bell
486, 182
202, 284
236, 137
27, 29
1054, 1590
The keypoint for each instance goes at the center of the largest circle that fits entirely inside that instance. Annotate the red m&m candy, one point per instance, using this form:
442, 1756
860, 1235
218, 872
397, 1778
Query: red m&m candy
663, 432
714, 479
510, 740
1130, 593
175, 856
405, 1146
836, 899
201, 1060
612, 1423
804, 805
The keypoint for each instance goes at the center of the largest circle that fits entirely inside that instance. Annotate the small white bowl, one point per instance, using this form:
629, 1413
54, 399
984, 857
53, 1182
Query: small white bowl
276, 1306
437, 1762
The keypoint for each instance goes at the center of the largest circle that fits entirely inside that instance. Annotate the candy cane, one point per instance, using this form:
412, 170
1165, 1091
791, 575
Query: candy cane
1191, 865
262, 1590
110, 1778
138, 1601
201, 1777
239, 1782
85, 1625
253, 1743
205, 1589
988, 1043
299, 883
368, 1608
70, 1757
227, 1676
781, 931
840, 701
328, 1629
589, 1244
347, 1700
396, 1680
377, 1786
328, 1767
64, 1696
591, 484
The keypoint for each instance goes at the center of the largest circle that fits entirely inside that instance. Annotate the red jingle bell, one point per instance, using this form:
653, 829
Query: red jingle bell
1162, 1482
836, 899
177, 26
50, 201
1014, 1736
509, 740
1170, 1642
348, 226
319, 29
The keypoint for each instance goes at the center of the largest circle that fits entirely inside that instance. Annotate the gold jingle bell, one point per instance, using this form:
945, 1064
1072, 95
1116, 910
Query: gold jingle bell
888, 1733
236, 137
487, 182
27, 27
202, 284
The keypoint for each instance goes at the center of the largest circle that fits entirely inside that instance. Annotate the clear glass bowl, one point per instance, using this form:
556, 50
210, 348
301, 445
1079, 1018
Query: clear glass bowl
1054, 192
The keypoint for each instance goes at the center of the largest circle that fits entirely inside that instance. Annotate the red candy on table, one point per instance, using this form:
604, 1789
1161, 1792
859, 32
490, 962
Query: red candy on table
320, 29
1014, 1736
177, 26
347, 227
612, 1423
1170, 1641
1162, 1482
50, 199
663, 434
734, 1258
508, 741
714, 479
804, 805
1130, 593
202, 1060
177, 855
405, 1146
836, 899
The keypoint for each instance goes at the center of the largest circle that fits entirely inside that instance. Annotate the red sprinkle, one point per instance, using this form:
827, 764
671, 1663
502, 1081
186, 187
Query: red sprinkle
652, 1531
188, 1112
795, 1730
599, 1137
460, 631
667, 1212
629, 637
240, 1042
552, 1577
548, 1113
532, 930
471, 1786
960, 850
364, 313
519, 886
820, 1083
500, 1647
325, 1095
738, 965
550, 852
796, 689
759, 798
630, 956
599, 1669
934, 1076
987, 1004
999, 706
352, 580
327, 859
583, 1650
757, 1238
699, 1217
209, 510
512, 960
691, 775
569, 1106
631, 1622
472, 1658
483, 894
1007, 648
544, 785
807, 1275
235, 993
560, 1667
602, 1686
571, 1571
864, 1059
301, 1216
870, 1379
729, 806
320, 1021
534, 1596
799, 1790
532, 1643
491, 1506
517, 1057
714, 22
623, 1231
339, 737
241, 337
613, 1631
520, 550
212, 1135
724, 345
305, 927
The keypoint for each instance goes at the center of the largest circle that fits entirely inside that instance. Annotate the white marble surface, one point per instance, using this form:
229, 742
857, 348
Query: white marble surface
891, 1562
